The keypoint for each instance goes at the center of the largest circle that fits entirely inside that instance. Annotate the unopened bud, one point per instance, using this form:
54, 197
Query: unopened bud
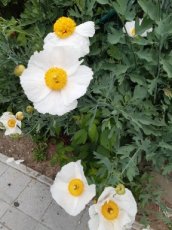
120, 189
29, 109
168, 92
19, 70
19, 116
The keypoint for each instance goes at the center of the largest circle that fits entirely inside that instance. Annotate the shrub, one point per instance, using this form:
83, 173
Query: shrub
122, 127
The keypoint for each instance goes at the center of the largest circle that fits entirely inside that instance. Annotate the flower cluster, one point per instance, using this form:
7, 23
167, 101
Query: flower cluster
115, 209
54, 78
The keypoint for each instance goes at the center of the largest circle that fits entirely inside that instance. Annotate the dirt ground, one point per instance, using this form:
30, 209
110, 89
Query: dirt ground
22, 148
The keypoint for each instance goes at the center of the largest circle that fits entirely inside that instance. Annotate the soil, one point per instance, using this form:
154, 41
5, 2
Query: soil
22, 148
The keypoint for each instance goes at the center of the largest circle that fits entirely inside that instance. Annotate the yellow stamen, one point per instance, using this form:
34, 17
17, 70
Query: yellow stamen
76, 187
133, 32
110, 210
56, 78
11, 123
64, 27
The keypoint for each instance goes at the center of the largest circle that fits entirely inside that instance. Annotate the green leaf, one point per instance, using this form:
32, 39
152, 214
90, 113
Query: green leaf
80, 137
115, 36
162, 144
103, 1
165, 27
148, 55
150, 8
139, 79
167, 65
93, 133
140, 92
125, 8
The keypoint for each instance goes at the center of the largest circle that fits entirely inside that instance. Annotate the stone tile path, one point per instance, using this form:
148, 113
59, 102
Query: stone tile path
26, 202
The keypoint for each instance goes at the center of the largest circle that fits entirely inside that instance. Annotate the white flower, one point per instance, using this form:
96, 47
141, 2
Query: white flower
66, 33
130, 28
54, 80
71, 190
11, 124
113, 211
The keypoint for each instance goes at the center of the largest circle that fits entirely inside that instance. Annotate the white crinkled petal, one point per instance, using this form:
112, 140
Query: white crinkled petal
124, 220
127, 203
33, 83
146, 32
65, 57
75, 40
129, 26
18, 124
54, 105
104, 225
87, 196
93, 223
77, 84
39, 60
10, 131
70, 171
86, 29
60, 56
108, 191
5, 117
60, 194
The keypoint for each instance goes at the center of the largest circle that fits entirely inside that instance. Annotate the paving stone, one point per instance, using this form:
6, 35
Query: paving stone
41, 227
3, 228
35, 199
56, 218
12, 182
82, 223
16, 220
3, 168
3, 207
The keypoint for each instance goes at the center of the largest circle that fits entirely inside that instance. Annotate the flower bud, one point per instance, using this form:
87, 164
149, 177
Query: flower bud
120, 189
19, 70
19, 116
29, 109
168, 92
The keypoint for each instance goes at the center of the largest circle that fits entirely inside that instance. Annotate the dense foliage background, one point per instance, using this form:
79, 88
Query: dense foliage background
122, 127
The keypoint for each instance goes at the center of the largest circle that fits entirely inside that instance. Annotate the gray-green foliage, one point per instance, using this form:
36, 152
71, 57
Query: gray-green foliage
123, 125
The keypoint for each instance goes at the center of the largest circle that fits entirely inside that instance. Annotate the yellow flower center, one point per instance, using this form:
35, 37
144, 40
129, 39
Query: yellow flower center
56, 78
11, 123
76, 187
110, 210
64, 27
133, 32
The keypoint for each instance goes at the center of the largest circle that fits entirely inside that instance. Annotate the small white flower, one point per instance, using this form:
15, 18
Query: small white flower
113, 211
66, 33
71, 190
130, 28
11, 124
54, 80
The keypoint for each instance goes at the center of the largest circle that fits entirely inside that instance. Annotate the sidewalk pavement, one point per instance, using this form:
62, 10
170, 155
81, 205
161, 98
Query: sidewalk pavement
26, 202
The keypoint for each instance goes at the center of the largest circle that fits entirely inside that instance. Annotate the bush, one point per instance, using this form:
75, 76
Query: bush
122, 127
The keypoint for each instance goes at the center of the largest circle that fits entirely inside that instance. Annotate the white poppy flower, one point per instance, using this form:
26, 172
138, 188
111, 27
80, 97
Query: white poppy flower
113, 211
66, 33
71, 190
54, 80
130, 28
11, 124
